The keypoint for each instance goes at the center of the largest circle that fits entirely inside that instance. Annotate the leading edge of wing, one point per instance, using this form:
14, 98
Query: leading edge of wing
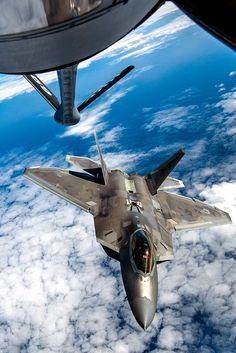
78, 191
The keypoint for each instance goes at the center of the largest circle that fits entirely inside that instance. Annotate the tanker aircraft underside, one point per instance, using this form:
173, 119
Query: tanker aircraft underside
134, 218
44, 35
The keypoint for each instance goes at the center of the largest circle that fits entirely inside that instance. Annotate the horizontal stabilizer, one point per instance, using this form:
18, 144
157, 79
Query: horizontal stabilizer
171, 183
105, 88
158, 176
89, 166
82, 162
43, 90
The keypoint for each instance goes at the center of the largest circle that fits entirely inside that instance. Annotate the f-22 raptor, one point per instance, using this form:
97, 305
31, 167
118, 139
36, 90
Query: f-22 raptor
134, 218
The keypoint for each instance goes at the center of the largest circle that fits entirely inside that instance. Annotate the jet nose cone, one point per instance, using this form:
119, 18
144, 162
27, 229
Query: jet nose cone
144, 311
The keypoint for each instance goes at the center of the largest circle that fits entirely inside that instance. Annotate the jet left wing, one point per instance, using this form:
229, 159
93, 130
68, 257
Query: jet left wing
183, 213
79, 189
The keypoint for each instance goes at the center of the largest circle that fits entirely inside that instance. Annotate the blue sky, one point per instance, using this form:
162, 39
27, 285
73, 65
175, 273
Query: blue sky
59, 291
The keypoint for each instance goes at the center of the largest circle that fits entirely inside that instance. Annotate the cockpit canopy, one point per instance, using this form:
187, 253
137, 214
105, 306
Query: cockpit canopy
142, 251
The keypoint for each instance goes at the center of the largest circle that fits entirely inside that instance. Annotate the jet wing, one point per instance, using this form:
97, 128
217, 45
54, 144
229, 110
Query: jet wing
183, 213
77, 188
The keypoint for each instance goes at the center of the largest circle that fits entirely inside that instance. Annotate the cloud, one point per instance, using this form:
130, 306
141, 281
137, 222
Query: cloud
232, 73
197, 285
232, 131
128, 42
93, 116
11, 86
125, 160
205, 132
170, 338
167, 9
111, 138
175, 117
222, 193
146, 109
220, 87
145, 40
228, 102
112, 135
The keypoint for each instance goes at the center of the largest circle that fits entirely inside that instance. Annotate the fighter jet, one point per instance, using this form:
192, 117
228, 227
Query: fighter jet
134, 218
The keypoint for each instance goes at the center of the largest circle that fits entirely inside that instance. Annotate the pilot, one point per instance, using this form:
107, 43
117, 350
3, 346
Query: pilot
142, 253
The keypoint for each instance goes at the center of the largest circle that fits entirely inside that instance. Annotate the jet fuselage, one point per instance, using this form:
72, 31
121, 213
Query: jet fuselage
127, 214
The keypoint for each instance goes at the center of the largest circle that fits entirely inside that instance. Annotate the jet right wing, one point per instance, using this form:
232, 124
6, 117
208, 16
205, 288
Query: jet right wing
183, 213
79, 189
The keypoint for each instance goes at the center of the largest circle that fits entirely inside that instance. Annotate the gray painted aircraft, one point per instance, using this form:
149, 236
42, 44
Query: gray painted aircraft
134, 218
42, 35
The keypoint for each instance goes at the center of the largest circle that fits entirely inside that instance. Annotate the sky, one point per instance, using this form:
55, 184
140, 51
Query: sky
59, 290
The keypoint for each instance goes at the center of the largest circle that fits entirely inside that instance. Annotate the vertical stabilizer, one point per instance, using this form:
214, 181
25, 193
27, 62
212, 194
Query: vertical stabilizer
157, 176
103, 164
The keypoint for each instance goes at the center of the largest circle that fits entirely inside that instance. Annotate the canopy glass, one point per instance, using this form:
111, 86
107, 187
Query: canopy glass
142, 251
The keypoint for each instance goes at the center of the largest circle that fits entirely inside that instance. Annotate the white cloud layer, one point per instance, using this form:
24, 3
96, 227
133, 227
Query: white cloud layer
175, 117
228, 103
11, 86
222, 193
232, 73
145, 39
93, 116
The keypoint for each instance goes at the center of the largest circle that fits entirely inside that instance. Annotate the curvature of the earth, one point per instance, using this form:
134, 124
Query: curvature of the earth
58, 290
